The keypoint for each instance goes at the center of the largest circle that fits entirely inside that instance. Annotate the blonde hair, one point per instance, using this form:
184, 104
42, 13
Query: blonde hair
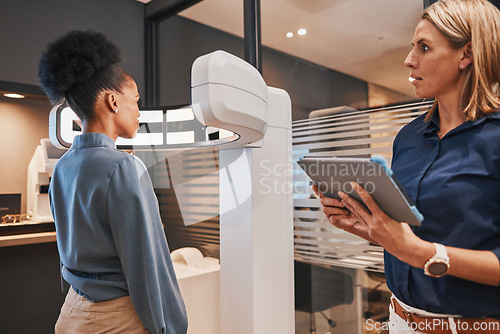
477, 22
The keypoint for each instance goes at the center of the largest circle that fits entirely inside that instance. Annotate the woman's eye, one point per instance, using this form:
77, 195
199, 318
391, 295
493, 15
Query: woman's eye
425, 48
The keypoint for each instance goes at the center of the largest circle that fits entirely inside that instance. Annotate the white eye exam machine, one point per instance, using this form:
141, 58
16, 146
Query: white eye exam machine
39, 173
256, 222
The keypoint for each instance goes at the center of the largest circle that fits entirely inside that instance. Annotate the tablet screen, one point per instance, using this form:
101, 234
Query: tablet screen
332, 175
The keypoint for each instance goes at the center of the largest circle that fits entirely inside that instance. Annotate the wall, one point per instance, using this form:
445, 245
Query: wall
180, 42
31, 295
380, 96
23, 123
28, 25
310, 86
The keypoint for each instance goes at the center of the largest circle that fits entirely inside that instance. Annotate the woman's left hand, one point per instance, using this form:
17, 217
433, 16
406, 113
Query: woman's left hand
396, 237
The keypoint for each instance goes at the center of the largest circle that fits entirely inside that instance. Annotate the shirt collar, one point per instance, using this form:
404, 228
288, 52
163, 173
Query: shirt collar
93, 140
433, 125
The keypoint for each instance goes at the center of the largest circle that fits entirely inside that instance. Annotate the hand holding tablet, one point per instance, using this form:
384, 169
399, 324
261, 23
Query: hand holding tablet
332, 174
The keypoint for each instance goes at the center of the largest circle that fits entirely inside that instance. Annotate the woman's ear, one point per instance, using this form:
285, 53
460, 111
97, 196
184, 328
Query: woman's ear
111, 101
466, 56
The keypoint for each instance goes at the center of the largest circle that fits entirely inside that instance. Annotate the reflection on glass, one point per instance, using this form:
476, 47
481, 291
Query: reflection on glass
352, 55
182, 137
178, 115
70, 125
150, 131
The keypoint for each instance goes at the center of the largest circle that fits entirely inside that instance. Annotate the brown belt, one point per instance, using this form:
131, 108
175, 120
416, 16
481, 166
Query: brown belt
437, 325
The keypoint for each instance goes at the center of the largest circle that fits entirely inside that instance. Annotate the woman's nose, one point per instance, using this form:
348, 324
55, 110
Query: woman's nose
410, 61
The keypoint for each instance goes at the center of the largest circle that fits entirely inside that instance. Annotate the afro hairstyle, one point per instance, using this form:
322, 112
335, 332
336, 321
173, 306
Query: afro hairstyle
78, 66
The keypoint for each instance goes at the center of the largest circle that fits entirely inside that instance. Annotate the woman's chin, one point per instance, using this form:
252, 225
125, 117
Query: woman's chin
128, 135
423, 94
133, 134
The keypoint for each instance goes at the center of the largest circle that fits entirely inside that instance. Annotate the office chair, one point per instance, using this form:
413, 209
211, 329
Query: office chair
319, 288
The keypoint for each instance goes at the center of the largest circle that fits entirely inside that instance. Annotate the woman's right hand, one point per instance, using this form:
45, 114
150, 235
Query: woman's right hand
339, 215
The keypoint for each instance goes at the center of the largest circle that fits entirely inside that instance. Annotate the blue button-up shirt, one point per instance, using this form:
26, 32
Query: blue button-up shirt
455, 184
108, 226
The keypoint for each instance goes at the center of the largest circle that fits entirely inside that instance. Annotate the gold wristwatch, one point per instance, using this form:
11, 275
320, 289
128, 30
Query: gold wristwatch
438, 265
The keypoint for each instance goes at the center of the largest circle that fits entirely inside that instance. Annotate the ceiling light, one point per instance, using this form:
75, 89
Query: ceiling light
289, 34
302, 31
14, 95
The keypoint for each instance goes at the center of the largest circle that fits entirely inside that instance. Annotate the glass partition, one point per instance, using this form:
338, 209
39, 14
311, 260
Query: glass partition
326, 254
326, 54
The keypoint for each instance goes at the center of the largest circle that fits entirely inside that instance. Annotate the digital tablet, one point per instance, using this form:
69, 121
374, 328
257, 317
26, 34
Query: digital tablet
332, 174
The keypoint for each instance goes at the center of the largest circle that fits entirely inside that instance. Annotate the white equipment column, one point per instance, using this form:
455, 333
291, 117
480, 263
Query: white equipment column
256, 230
256, 224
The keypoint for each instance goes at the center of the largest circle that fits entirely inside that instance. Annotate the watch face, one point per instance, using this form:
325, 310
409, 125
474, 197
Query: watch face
438, 268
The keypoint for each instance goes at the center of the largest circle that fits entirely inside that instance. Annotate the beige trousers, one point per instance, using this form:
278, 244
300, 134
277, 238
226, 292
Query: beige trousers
80, 315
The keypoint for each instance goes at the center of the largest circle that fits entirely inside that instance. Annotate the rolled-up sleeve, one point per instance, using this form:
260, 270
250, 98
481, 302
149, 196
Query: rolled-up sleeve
142, 247
496, 251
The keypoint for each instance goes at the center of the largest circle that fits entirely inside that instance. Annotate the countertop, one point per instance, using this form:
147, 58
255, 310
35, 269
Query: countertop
27, 233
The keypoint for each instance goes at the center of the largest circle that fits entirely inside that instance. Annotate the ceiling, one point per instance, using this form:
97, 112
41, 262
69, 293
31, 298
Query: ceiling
367, 39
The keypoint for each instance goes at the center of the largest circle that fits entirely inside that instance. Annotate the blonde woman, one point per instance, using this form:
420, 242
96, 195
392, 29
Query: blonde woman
444, 275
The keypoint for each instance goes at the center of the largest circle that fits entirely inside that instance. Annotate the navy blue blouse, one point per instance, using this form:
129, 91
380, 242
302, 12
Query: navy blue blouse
455, 184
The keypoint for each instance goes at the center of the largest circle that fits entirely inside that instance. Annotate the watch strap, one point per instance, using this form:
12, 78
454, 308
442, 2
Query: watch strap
441, 252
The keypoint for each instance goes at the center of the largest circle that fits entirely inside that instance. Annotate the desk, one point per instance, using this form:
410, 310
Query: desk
26, 234
31, 295
27, 239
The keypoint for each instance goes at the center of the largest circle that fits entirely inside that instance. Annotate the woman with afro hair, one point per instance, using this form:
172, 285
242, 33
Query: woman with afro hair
110, 238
